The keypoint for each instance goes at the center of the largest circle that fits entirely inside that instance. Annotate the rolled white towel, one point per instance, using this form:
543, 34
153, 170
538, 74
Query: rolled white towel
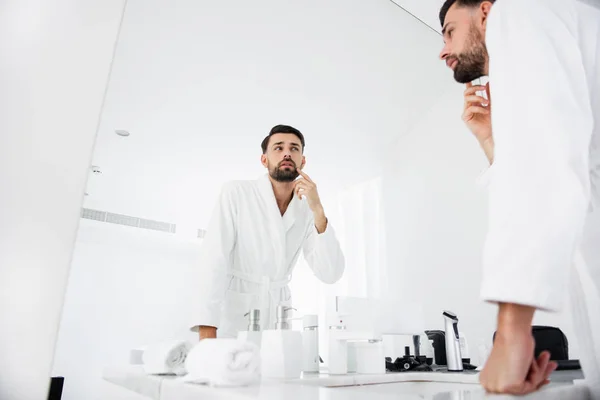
167, 358
223, 363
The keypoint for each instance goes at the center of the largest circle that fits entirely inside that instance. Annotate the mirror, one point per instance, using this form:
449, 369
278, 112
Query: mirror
195, 86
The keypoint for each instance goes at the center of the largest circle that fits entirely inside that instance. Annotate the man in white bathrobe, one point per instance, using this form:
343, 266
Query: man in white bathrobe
543, 62
255, 237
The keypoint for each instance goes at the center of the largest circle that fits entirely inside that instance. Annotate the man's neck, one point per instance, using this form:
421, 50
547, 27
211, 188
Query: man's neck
284, 192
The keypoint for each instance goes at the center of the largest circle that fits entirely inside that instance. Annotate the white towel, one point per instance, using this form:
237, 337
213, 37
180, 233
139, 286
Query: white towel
167, 358
223, 363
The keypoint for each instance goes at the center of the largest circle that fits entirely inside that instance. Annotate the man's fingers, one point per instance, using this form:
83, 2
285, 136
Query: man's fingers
476, 110
472, 111
550, 368
539, 370
304, 175
303, 185
471, 91
474, 89
543, 361
301, 188
536, 370
476, 100
303, 182
526, 388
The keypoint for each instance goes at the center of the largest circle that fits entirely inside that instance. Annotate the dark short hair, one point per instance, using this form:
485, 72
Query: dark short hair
459, 3
282, 129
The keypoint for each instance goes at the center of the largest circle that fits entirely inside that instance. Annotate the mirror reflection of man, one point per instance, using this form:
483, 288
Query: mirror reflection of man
540, 127
255, 236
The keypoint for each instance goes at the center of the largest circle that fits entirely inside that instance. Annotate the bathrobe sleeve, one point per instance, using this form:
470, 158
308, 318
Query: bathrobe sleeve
216, 260
323, 254
542, 123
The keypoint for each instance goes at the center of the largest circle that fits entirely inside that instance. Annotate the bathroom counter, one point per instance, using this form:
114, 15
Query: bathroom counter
346, 387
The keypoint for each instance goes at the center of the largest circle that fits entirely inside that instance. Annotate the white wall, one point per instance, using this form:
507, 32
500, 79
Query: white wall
436, 222
127, 288
199, 84
53, 73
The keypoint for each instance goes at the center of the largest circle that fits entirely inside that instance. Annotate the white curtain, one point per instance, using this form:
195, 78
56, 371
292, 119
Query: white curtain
357, 216
362, 234
359, 224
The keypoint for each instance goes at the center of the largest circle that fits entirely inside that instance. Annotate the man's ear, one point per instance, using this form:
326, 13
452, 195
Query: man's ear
264, 161
485, 9
303, 162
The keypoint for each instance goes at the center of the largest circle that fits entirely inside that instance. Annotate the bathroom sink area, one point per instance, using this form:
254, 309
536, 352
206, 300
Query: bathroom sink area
408, 385
326, 380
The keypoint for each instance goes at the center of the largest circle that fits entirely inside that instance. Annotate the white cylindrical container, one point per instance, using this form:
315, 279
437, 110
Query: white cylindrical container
338, 351
310, 343
433, 351
352, 357
427, 349
370, 357
464, 346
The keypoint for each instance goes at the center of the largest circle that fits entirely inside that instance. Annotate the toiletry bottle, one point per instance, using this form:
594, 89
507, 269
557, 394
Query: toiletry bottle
464, 348
338, 348
310, 343
433, 364
369, 356
281, 355
253, 334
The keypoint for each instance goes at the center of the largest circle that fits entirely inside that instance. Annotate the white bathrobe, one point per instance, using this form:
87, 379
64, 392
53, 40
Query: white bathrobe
544, 186
250, 251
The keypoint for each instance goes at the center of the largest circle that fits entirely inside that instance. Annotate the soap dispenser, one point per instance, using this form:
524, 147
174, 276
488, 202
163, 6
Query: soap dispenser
281, 355
253, 334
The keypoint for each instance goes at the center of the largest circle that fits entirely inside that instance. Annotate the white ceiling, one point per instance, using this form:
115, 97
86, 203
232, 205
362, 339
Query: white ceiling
199, 84
425, 10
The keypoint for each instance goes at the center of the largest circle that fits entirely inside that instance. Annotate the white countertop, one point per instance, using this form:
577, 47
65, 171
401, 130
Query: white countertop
399, 385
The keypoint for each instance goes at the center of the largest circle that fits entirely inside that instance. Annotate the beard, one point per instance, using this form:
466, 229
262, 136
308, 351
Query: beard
471, 63
285, 174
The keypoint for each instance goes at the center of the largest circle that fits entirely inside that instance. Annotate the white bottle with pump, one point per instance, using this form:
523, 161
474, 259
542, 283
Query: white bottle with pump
253, 334
281, 356
338, 349
310, 343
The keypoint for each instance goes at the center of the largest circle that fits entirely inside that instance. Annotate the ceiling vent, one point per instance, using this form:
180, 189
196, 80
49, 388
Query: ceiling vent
127, 220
